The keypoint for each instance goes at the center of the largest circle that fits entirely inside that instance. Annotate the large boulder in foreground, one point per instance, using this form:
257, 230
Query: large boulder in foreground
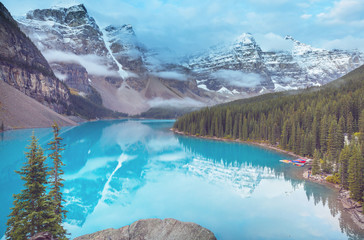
153, 229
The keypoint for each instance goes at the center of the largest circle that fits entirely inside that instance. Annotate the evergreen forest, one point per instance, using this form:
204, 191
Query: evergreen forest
326, 123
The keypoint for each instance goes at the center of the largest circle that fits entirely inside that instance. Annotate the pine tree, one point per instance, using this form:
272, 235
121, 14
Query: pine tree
245, 129
315, 134
202, 127
316, 162
340, 132
331, 139
284, 136
326, 163
349, 125
56, 183
355, 178
236, 128
31, 213
229, 124
292, 139
240, 126
323, 134
361, 130
216, 127
343, 166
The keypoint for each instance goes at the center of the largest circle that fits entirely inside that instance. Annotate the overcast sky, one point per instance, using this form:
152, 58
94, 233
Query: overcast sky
186, 26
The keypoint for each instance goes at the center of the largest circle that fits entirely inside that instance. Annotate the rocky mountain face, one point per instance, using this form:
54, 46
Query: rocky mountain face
72, 42
215, 69
111, 60
125, 47
131, 78
154, 229
243, 67
23, 66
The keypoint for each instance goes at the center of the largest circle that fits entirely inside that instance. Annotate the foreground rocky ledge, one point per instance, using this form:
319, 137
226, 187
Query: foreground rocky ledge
153, 229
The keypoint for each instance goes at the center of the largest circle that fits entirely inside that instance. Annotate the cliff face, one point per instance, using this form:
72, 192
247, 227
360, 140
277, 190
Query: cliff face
24, 67
73, 44
75, 75
154, 229
18, 110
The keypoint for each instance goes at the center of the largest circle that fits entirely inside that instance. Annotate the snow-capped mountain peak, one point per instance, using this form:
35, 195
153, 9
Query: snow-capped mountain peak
245, 39
122, 30
305, 66
123, 34
72, 16
301, 48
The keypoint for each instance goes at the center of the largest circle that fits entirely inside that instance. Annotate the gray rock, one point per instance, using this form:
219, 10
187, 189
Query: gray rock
153, 229
24, 67
42, 236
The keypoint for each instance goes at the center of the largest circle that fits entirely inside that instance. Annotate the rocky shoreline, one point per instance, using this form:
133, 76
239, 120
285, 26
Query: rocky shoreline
261, 144
354, 208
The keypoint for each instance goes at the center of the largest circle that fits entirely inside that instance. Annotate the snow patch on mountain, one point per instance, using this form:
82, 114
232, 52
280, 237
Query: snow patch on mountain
123, 74
204, 87
224, 90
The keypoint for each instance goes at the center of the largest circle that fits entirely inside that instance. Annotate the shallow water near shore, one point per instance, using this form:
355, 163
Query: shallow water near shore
121, 171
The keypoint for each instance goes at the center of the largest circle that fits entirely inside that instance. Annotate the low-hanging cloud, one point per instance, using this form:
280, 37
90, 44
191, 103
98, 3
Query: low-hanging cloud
60, 76
171, 75
94, 64
238, 78
175, 103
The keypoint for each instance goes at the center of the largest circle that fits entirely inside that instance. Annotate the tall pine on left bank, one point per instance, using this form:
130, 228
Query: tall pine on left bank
31, 212
56, 183
36, 209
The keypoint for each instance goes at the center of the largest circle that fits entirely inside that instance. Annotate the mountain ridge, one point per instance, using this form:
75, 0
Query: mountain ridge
131, 78
302, 67
121, 76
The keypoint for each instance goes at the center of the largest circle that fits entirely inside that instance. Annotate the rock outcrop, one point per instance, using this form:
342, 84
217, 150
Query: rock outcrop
153, 229
43, 236
23, 66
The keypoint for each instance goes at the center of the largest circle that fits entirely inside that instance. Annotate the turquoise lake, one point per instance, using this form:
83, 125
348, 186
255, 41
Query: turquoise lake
121, 171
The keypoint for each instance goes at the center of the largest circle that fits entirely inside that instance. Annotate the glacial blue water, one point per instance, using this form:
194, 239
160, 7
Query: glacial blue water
121, 171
